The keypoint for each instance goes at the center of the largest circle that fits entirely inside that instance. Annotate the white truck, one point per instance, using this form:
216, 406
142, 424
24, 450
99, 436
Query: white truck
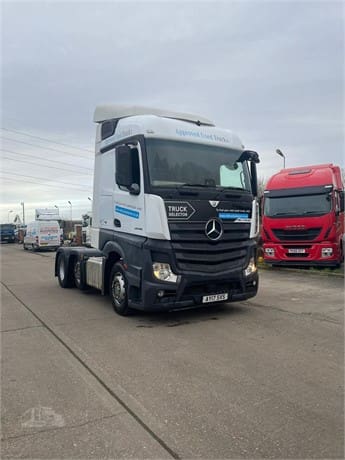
175, 214
42, 234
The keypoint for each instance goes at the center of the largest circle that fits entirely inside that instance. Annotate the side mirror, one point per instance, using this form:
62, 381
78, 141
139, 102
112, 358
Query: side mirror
249, 155
341, 195
254, 178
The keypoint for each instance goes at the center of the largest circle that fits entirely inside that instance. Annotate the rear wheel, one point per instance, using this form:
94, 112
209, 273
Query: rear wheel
119, 290
78, 275
64, 277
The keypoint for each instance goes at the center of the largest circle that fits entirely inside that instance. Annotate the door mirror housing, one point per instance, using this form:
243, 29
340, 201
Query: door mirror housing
253, 158
254, 178
341, 196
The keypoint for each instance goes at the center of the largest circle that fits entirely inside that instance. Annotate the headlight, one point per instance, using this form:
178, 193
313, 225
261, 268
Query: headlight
251, 267
163, 272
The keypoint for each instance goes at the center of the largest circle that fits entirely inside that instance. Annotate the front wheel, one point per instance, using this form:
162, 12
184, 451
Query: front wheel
119, 290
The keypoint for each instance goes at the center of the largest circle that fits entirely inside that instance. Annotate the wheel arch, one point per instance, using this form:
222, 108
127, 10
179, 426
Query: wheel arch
113, 253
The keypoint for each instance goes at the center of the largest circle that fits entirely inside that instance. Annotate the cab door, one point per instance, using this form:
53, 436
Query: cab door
129, 190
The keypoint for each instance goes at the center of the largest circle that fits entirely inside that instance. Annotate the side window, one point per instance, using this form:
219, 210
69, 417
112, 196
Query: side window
128, 168
108, 128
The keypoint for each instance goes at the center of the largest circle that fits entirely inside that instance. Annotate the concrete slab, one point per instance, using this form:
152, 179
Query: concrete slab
258, 379
112, 437
53, 408
13, 314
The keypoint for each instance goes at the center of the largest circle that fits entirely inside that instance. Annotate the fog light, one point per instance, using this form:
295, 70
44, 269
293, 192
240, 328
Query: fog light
163, 272
160, 293
326, 252
269, 252
251, 267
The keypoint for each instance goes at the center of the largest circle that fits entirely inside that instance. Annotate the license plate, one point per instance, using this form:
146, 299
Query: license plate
296, 251
214, 298
44, 244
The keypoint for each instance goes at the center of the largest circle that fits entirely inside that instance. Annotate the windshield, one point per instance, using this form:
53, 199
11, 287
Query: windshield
7, 227
183, 164
297, 205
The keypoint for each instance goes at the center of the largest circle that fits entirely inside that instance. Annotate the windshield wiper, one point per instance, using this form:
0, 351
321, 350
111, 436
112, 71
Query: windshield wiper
197, 185
314, 212
286, 213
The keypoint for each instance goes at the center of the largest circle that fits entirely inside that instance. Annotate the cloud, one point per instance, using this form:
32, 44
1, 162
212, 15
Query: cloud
270, 71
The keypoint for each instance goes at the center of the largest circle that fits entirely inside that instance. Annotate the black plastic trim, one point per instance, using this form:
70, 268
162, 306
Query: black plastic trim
301, 191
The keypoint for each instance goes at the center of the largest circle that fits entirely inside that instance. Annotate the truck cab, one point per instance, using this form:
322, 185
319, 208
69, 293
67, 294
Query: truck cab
175, 215
303, 217
7, 233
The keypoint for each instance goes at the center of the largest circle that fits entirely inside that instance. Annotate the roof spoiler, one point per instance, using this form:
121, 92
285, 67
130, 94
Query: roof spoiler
111, 112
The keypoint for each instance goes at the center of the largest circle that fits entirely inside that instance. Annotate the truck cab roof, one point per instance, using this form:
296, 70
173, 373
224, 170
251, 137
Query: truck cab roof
306, 176
126, 122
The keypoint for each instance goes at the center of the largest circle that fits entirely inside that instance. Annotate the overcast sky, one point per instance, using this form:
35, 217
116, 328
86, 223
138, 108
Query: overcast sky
273, 72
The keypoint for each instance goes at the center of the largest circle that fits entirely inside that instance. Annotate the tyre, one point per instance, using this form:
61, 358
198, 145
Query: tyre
64, 276
118, 288
79, 280
25, 247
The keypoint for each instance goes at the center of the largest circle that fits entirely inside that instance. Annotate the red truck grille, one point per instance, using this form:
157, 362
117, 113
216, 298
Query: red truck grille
297, 235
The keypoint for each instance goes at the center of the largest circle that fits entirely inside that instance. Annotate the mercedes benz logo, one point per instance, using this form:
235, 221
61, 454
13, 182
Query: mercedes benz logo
214, 229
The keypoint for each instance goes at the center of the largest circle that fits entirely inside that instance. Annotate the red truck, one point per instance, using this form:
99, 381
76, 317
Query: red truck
303, 217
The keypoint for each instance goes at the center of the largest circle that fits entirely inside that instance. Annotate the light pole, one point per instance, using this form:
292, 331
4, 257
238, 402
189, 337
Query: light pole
8, 216
22, 203
58, 210
281, 154
71, 210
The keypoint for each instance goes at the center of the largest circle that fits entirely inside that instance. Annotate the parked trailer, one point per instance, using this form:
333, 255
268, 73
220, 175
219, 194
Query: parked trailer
175, 215
303, 217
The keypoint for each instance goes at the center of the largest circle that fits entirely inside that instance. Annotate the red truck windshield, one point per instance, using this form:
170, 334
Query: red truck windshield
306, 205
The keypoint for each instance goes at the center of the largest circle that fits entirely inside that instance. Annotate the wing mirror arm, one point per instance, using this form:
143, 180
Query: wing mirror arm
134, 189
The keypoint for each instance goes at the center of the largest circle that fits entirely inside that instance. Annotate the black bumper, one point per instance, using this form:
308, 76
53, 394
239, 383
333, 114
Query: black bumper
189, 291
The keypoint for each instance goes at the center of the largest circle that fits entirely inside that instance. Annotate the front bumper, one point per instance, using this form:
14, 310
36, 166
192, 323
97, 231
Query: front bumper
311, 257
188, 293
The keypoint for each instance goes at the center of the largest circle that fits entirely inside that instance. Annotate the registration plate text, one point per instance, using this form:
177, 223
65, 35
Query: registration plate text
214, 298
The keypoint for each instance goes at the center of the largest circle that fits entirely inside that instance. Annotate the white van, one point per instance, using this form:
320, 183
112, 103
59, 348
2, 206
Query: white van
42, 234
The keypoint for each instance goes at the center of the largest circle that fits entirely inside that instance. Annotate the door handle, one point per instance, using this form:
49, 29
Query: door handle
117, 223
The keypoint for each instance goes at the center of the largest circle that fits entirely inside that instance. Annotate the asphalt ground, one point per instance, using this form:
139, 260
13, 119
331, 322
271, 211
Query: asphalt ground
257, 379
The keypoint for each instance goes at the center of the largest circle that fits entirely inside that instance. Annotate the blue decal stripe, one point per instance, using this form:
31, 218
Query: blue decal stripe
127, 212
233, 215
